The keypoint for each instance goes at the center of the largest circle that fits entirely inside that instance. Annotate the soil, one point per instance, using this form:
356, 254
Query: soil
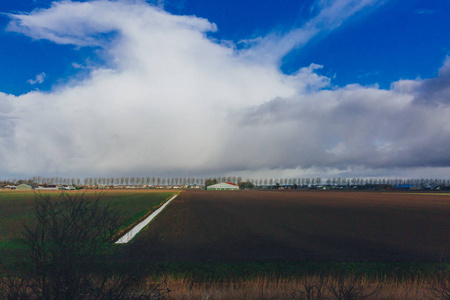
266, 226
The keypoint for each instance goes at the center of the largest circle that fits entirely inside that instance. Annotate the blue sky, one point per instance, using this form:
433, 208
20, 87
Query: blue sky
241, 88
396, 40
400, 40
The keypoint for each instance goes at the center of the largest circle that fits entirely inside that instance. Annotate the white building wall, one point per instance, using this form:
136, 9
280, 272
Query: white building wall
222, 186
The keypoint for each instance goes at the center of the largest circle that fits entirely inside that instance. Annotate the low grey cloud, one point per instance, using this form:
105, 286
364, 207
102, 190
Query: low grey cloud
435, 90
352, 127
176, 103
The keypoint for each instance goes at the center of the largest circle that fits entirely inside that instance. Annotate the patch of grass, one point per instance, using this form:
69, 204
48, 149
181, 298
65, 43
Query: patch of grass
135, 207
288, 279
10, 244
295, 288
16, 209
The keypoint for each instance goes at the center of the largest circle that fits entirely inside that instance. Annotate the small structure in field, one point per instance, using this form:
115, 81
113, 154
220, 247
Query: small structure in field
223, 186
48, 188
24, 186
66, 187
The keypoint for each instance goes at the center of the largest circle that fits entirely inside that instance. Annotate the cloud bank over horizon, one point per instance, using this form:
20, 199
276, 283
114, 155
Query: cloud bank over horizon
171, 101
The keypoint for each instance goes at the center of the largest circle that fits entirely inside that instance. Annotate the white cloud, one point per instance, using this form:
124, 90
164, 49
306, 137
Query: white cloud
39, 79
331, 15
77, 66
178, 103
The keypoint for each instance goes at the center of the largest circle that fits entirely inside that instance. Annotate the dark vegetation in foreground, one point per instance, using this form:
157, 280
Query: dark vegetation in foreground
333, 286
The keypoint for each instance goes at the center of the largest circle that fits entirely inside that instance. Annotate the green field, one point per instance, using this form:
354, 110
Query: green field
16, 209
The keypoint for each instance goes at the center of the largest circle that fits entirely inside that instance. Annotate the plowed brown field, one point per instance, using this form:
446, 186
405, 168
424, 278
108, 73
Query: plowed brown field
247, 226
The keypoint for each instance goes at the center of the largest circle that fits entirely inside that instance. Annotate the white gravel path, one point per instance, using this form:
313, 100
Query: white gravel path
131, 234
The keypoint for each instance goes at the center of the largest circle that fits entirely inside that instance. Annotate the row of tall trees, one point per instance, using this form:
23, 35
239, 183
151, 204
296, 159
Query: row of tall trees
388, 181
337, 181
93, 181
141, 181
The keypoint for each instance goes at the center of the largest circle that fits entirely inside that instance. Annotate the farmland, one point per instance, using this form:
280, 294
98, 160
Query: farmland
16, 209
276, 226
245, 244
269, 226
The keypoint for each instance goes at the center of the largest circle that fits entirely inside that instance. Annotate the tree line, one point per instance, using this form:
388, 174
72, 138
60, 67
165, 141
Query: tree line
206, 181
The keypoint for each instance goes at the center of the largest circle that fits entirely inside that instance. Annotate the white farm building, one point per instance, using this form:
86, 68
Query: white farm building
223, 186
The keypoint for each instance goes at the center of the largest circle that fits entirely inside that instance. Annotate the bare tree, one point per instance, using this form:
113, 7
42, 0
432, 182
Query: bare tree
349, 287
68, 232
440, 284
312, 288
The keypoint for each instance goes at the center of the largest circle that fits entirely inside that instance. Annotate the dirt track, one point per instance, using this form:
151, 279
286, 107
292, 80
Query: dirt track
266, 226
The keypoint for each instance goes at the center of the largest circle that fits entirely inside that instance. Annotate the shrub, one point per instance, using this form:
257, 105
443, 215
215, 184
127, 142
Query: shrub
440, 284
350, 287
311, 289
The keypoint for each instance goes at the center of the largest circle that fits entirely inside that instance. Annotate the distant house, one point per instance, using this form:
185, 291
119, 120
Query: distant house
66, 187
24, 186
223, 186
404, 186
48, 188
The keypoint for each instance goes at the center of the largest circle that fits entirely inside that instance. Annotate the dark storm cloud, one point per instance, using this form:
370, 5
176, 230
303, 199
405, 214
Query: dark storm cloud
353, 127
435, 90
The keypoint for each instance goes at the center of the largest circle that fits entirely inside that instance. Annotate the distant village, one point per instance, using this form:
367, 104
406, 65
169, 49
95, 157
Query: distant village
224, 183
